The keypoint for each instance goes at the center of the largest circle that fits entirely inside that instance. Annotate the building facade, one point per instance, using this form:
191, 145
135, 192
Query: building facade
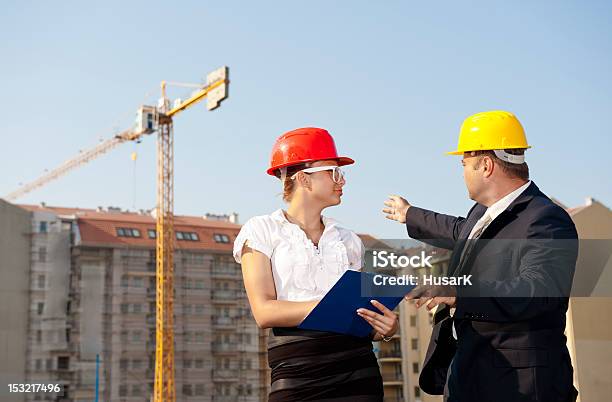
91, 296
87, 288
15, 246
588, 328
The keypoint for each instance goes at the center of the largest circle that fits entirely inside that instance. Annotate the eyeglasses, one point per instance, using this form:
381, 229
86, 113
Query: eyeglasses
337, 173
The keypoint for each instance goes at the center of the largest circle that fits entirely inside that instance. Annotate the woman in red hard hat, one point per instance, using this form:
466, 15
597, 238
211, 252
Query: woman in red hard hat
290, 259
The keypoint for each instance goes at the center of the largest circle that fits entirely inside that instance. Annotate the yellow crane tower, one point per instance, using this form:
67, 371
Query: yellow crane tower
149, 120
164, 389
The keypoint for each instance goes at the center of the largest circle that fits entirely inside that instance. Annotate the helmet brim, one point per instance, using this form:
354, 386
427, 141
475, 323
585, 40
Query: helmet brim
344, 160
458, 152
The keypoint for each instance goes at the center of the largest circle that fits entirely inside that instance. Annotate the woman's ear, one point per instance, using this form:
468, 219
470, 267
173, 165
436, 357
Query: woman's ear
304, 180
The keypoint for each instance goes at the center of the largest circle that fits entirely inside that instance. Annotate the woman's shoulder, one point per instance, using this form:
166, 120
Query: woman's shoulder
258, 232
263, 222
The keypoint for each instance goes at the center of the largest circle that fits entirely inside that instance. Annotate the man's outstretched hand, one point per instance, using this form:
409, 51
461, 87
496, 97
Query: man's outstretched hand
396, 208
431, 296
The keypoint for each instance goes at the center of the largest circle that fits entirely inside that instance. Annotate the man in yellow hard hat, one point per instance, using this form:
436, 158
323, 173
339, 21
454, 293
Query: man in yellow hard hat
500, 337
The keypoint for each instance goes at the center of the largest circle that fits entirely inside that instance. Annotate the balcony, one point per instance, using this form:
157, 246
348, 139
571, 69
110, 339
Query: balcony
56, 347
226, 272
64, 375
395, 398
224, 322
391, 355
225, 398
226, 296
225, 347
392, 379
225, 375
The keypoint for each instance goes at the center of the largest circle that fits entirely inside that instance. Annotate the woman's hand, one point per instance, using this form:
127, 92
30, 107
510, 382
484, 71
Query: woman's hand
385, 324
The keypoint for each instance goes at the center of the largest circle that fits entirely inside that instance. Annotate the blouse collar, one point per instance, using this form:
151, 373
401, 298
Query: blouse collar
329, 223
279, 216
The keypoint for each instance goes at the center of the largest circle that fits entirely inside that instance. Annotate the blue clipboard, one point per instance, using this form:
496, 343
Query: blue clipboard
337, 311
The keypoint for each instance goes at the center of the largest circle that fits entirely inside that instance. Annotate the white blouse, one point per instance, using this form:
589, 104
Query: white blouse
301, 271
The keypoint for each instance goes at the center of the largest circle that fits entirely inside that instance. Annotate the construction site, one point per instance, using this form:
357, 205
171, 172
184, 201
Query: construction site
120, 280
80, 290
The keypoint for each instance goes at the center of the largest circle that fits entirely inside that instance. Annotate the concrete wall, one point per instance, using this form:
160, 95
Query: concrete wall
589, 328
14, 296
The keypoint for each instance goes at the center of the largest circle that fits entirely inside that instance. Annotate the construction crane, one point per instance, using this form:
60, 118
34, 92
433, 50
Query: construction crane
215, 92
145, 124
158, 119
81, 159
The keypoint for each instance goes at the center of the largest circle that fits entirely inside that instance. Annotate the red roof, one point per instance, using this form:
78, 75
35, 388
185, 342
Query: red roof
100, 228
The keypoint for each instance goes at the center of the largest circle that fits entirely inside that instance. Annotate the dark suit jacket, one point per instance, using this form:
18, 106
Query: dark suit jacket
510, 324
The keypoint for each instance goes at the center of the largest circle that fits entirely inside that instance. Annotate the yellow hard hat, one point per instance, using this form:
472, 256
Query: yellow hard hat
495, 130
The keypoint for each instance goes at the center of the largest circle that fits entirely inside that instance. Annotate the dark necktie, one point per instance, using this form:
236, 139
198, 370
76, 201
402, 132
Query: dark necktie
469, 245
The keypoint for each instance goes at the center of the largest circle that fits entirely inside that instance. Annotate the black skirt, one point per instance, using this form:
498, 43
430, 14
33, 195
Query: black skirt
319, 366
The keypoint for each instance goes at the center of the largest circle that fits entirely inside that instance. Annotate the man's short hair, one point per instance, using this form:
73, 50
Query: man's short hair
520, 171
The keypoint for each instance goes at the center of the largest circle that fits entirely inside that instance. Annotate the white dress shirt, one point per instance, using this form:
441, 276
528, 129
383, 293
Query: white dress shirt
489, 216
497, 208
301, 271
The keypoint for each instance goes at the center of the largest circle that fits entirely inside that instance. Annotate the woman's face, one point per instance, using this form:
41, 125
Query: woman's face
322, 185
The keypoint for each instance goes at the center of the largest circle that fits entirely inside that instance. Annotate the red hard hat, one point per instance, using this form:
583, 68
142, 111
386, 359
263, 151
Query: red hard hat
308, 144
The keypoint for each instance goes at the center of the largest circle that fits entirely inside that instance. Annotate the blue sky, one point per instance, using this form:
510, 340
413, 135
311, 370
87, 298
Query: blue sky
392, 81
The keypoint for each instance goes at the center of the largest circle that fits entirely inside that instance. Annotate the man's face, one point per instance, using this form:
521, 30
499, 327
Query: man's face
472, 175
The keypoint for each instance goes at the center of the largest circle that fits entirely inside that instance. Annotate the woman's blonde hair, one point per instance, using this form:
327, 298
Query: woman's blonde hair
289, 184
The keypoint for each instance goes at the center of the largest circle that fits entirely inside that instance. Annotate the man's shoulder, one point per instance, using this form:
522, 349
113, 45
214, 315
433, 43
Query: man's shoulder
548, 217
542, 205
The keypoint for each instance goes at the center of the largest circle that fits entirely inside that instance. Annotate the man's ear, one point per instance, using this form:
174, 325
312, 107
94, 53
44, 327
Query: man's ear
488, 166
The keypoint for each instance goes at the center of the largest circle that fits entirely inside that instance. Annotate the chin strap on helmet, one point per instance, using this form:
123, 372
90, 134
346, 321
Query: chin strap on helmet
283, 177
510, 158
